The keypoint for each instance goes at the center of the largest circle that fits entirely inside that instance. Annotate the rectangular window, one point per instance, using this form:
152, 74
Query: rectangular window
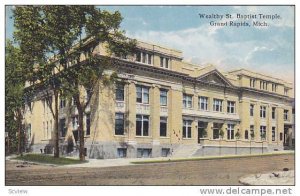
62, 103
263, 132
203, 103
281, 136
246, 135
202, 129
286, 91
231, 107
251, 109
163, 126
217, 106
142, 125
119, 124
144, 152
163, 97
62, 127
122, 152
165, 152
273, 113
28, 132
120, 92
230, 131
273, 133
142, 94
164, 62
144, 57
75, 122
263, 85
252, 83
274, 87
88, 124
187, 101
216, 130
252, 132
263, 111
286, 115
187, 129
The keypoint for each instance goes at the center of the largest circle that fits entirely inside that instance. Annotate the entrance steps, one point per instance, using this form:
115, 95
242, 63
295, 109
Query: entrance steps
186, 150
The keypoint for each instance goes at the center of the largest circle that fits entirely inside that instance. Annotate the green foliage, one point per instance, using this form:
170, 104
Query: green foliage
14, 92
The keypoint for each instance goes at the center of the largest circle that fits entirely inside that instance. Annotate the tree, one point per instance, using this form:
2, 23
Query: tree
14, 96
68, 33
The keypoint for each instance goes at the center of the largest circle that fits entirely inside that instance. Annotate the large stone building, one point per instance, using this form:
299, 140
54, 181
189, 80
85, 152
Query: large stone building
163, 106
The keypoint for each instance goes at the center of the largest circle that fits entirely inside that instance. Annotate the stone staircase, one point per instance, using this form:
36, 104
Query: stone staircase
187, 150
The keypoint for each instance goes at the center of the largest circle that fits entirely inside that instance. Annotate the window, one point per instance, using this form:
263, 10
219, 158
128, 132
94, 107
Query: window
142, 94
246, 134
216, 130
144, 152
28, 132
187, 129
230, 131
252, 83
217, 105
202, 127
263, 85
120, 92
251, 109
163, 97
263, 111
252, 132
163, 126
119, 124
88, 95
122, 152
165, 152
164, 62
281, 136
285, 114
273, 133
203, 103
142, 125
274, 87
231, 107
187, 101
273, 113
286, 91
88, 124
62, 103
62, 127
47, 130
75, 122
263, 132
144, 57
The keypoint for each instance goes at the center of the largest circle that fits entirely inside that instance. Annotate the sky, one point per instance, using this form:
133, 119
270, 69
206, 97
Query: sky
268, 50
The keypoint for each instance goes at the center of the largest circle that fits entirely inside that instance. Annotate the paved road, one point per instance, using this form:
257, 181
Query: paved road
202, 172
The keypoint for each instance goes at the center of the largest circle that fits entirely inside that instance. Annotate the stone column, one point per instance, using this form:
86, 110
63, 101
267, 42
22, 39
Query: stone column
155, 119
131, 118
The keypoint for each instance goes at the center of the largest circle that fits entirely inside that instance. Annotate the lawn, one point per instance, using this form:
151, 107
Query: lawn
49, 159
209, 158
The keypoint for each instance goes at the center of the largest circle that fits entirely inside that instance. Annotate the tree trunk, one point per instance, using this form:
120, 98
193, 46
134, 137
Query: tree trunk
19, 121
56, 131
81, 133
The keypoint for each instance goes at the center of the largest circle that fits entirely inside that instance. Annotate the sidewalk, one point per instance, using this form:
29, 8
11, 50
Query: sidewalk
133, 161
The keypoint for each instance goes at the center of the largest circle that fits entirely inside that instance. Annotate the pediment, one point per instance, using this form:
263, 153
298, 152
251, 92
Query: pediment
214, 77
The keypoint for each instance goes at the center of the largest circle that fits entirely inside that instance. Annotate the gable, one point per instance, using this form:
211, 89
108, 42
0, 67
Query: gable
214, 77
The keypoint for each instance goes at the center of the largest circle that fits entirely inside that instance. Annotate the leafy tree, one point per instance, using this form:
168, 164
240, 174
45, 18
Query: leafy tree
14, 96
67, 33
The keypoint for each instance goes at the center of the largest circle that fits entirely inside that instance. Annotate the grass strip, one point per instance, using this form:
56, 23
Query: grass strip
209, 158
48, 159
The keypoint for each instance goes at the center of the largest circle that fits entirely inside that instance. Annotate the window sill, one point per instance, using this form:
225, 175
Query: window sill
119, 135
187, 138
164, 137
138, 136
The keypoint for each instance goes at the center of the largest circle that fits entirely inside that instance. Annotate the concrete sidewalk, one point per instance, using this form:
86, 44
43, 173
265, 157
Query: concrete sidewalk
128, 161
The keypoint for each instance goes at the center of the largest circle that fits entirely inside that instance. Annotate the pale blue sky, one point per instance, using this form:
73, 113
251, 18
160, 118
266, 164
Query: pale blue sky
268, 50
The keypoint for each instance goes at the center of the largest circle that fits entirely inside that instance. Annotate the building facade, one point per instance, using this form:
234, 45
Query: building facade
161, 105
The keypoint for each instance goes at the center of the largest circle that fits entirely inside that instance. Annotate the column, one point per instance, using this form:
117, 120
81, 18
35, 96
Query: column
155, 112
